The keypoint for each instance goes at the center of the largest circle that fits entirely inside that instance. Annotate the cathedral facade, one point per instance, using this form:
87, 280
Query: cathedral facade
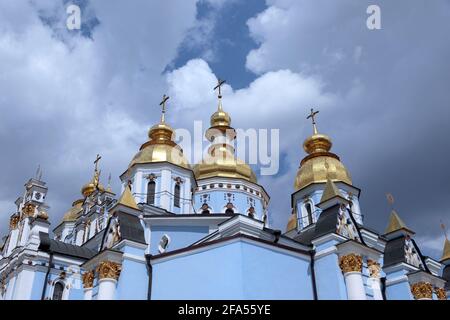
183, 231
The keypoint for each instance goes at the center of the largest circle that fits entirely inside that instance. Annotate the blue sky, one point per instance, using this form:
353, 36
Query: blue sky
383, 94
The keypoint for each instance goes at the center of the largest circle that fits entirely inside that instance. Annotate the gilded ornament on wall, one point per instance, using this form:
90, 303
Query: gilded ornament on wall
351, 263
28, 210
14, 222
88, 279
440, 293
374, 268
422, 290
109, 270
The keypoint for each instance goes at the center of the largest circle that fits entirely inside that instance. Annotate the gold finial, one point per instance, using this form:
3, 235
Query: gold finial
220, 83
163, 105
312, 116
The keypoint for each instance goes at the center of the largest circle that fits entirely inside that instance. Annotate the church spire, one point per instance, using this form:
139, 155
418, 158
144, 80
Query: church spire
127, 199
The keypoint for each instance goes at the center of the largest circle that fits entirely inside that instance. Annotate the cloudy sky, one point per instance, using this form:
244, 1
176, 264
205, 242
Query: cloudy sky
383, 94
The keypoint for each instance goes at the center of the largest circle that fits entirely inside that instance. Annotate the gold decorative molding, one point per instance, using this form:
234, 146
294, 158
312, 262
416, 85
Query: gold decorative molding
374, 269
28, 210
109, 270
14, 222
351, 263
440, 293
88, 279
422, 290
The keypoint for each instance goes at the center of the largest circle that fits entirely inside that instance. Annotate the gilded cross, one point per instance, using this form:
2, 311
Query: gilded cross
96, 161
163, 105
220, 83
312, 116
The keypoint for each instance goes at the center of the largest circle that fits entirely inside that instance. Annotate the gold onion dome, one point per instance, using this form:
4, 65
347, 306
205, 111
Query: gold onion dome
221, 160
320, 164
73, 212
160, 147
90, 187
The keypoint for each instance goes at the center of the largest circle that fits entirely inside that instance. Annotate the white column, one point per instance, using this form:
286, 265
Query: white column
355, 286
351, 266
80, 237
88, 284
88, 294
187, 207
107, 289
374, 279
138, 187
10, 288
24, 284
164, 201
109, 273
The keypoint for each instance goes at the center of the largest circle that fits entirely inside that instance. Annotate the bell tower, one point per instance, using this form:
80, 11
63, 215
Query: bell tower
319, 166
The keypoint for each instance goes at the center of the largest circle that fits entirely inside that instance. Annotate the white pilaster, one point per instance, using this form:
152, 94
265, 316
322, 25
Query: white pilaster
107, 289
165, 189
355, 286
88, 294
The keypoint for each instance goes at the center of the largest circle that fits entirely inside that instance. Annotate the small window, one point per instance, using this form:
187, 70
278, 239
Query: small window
230, 208
309, 212
58, 291
176, 199
205, 209
163, 243
151, 187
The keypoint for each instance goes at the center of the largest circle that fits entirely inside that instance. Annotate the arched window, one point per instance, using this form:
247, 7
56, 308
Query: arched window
151, 187
309, 212
176, 198
58, 291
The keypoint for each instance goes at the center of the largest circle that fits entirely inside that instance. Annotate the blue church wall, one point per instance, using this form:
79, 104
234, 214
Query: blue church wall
259, 270
237, 271
133, 281
329, 279
180, 236
399, 291
76, 293
38, 285
218, 199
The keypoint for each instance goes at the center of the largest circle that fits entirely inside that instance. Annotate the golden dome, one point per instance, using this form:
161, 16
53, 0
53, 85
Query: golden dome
223, 167
320, 164
220, 118
160, 148
221, 160
90, 187
73, 212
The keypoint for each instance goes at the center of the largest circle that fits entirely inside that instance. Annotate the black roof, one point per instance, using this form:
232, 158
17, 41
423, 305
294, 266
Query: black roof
55, 246
394, 251
446, 276
130, 227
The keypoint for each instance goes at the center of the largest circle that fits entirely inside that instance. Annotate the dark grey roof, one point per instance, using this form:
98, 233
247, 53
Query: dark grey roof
394, 251
130, 227
55, 246
446, 276
306, 235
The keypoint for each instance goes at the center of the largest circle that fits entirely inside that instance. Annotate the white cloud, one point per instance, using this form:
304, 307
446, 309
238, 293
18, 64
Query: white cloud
275, 100
66, 97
